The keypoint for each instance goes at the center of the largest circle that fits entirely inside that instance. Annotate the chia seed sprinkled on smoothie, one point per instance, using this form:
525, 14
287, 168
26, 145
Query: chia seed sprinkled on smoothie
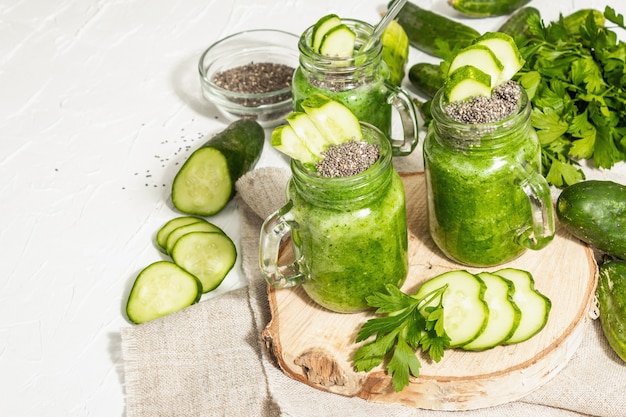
503, 102
347, 159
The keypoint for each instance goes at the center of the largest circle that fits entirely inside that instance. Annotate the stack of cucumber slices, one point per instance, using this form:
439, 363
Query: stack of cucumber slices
485, 310
202, 255
491, 60
323, 123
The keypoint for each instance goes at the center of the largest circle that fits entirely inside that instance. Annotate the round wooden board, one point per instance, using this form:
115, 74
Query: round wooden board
315, 346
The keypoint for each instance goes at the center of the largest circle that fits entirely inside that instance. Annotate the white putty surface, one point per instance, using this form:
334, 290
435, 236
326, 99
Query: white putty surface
100, 103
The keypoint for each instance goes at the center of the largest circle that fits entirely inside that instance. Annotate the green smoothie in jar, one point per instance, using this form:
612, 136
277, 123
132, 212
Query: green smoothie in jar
360, 82
487, 201
355, 246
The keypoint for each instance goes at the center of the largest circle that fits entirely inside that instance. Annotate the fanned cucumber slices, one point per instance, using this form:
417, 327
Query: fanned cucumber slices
307, 134
493, 55
202, 255
485, 310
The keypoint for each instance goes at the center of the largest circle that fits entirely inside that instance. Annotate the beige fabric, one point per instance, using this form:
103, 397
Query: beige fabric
209, 360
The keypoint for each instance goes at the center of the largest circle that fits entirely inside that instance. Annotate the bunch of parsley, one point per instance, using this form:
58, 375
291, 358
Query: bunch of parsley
576, 83
408, 324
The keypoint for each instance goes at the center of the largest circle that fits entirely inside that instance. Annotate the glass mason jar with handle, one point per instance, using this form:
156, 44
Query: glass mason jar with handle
360, 82
487, 199
349, 234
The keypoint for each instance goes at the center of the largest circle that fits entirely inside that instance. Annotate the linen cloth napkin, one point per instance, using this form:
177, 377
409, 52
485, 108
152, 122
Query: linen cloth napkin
209, 360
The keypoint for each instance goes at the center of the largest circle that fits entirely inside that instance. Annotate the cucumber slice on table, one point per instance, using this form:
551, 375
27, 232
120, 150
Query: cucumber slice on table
206, 181
338, 42
166, 229
465, 312
466, 82
177, 233
481, 57
504, 314
336, 122
207, 255
285, 140
321, 27
535, 306
160, 289
503, 46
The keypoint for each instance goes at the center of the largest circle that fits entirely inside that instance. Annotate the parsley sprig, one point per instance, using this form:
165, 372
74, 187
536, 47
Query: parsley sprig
576, 86
407, 324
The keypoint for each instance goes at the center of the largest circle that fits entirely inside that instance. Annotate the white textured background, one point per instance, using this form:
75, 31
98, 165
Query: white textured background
99, 104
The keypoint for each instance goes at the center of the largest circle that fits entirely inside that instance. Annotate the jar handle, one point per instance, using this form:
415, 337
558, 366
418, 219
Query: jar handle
403, 104
541, 230
274, 230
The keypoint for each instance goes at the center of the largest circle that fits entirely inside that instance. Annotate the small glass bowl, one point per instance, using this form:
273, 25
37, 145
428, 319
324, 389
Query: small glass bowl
243, 48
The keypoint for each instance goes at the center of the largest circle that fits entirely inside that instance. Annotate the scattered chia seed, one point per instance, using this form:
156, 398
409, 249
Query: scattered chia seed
503, 102
347, 159
256, 78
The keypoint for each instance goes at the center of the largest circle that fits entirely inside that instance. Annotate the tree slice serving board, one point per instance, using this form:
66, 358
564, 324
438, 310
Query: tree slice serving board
314, 345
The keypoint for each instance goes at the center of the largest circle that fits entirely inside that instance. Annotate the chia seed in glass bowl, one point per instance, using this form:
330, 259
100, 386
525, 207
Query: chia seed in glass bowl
248, 75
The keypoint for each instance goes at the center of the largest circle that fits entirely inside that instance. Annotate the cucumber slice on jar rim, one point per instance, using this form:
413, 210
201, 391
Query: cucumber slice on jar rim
321, 27
504, 48
338, 42
285, 140
306, 129
481, 57
337, 123
465, 82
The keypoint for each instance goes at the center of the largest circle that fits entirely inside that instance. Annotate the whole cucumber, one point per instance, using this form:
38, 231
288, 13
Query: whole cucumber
486, 8
595, 212
424, 28
611, 294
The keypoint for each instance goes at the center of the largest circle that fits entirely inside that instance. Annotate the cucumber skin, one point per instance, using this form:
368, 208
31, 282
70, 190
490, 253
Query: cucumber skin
423, 27
575, 20
241, 143
594, 211
517, 24
486, 8
611, 294
426, 78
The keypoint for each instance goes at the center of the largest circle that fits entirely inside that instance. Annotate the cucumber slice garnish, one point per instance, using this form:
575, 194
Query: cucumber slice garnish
481, 57
207, 255
466, 82
336, 122
167, 228
535, 306
503, 46
285, 140
504, 314
304, 127
160, 289
338, 42
465, 311
177, 233
321, 27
